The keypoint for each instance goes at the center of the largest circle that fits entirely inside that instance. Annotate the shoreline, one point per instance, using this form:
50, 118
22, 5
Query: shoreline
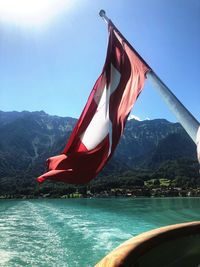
29, 197
136, 192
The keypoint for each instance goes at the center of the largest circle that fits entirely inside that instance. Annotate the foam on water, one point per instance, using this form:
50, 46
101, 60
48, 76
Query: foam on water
78, 233
5, 256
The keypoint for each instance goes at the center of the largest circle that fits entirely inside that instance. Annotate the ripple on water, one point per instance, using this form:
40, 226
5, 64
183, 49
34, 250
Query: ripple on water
74, 233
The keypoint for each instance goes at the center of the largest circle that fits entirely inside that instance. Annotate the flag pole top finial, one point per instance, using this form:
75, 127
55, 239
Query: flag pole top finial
102, 14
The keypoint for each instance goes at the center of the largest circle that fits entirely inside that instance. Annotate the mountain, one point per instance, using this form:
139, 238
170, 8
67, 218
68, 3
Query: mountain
27, 139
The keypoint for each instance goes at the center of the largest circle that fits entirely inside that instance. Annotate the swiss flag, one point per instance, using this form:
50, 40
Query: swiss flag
101, 124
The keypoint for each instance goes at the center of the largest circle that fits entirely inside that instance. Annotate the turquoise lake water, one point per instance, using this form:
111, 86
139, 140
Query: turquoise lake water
79, 232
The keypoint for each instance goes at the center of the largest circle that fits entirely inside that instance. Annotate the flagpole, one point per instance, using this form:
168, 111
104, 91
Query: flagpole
186, 119
102, 13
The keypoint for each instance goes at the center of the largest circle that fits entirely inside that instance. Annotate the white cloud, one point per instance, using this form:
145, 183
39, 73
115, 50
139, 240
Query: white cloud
131, 116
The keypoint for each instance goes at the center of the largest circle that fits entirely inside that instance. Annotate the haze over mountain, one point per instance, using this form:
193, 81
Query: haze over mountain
27, 139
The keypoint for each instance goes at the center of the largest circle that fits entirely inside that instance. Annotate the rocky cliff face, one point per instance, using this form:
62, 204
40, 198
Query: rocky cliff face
149, 143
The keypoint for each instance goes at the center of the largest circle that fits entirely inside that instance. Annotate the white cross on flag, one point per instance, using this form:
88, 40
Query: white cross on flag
101, 124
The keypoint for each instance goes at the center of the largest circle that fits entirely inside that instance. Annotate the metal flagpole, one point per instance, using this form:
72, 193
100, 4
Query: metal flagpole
186, 119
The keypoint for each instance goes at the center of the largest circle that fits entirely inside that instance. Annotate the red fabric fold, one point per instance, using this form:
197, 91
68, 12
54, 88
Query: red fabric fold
101, 124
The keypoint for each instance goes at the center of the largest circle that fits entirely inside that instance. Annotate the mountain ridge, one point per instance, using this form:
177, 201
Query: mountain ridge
27, 139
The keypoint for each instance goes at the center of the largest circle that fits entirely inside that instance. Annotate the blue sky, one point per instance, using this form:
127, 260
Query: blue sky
53, 65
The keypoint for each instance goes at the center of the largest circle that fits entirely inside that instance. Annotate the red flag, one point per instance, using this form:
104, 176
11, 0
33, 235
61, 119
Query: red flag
103, 119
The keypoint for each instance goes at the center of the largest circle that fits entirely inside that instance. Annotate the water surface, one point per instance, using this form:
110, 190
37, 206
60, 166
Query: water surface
79, 232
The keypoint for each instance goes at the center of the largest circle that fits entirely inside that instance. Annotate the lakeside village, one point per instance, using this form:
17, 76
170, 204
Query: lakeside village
154, 190
131, 193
